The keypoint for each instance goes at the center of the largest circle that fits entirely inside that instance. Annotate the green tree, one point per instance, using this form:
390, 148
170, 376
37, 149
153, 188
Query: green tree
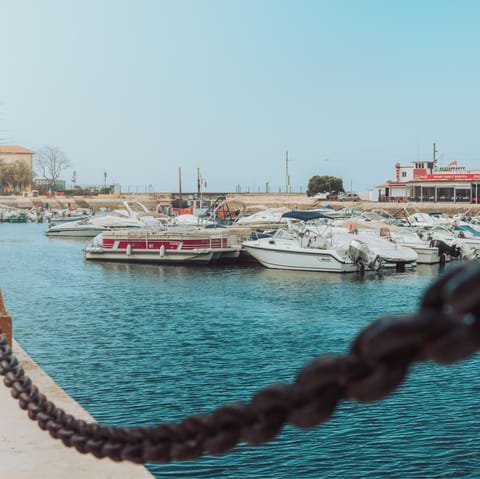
14, 177
7, 177
323, 184
22, 176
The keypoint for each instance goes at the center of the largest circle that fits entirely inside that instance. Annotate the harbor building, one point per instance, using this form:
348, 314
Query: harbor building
15, 169
425, 181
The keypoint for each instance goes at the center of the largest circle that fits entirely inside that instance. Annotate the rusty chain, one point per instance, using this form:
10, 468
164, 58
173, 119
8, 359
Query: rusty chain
445, 329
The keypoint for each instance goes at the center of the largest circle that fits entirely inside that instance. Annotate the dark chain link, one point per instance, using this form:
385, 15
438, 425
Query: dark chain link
445, 329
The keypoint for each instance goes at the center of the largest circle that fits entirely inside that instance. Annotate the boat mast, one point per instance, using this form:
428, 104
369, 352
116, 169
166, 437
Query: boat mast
199, 187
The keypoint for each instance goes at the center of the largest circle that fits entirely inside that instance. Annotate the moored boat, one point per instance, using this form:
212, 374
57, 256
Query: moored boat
304, 246
135, 215
282, 251
182, 245
91, 227
311, 243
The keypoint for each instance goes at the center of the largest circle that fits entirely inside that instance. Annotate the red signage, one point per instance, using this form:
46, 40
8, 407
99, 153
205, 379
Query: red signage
448, 177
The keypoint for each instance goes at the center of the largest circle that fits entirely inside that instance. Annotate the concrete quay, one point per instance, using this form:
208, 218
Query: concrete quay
27, 452
247, 202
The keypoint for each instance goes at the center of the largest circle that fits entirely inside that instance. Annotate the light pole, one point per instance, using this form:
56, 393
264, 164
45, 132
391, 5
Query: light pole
287, 176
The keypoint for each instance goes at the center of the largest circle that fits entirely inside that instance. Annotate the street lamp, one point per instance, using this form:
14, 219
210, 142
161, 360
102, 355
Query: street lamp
287, 176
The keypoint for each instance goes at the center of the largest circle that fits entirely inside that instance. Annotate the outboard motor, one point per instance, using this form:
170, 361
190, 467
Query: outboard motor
463, 250
456, 249
363, 256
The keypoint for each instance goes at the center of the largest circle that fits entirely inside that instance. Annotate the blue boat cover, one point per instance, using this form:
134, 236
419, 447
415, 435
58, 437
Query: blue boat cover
304, 215
467, 228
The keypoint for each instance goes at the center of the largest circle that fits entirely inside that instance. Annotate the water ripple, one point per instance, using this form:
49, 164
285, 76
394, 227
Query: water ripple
147, 344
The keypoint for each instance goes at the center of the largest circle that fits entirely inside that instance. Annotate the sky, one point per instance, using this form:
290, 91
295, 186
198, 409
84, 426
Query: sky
143, 89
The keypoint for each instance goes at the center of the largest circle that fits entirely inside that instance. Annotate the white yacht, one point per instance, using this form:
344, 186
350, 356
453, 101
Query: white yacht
135, 215
305, 246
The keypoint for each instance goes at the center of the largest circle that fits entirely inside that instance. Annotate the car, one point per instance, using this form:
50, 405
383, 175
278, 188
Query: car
348, 197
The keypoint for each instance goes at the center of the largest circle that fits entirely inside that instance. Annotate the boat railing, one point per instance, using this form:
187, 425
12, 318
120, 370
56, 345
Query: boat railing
212, 239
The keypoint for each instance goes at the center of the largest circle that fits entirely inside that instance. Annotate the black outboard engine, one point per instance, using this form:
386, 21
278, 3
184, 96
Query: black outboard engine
444, 249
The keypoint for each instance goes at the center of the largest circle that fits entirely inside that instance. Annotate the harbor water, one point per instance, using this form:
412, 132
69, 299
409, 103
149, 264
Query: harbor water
143, 344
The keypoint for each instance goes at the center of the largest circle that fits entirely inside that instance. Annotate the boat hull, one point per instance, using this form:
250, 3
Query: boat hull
301, 259
73, 232
151, 257
162, 247
425, 254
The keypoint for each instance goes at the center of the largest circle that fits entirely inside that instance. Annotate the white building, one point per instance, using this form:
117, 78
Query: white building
424, 181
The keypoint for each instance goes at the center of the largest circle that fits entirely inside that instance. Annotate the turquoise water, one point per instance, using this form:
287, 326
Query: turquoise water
139, 344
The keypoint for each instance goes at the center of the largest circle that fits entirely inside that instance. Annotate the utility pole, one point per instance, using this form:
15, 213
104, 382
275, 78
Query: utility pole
199, 187
287, 176
180, 185
434, 155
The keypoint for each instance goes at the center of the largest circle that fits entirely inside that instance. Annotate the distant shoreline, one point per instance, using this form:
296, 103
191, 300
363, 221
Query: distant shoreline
246, 202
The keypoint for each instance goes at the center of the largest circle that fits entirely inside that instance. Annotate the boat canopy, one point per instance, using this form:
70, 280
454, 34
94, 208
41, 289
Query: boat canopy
304, 215
468, 228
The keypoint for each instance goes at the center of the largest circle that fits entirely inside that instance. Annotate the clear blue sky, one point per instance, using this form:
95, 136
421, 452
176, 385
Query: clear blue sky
141, 88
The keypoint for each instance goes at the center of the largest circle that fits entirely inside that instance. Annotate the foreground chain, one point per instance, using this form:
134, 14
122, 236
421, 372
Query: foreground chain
446, 329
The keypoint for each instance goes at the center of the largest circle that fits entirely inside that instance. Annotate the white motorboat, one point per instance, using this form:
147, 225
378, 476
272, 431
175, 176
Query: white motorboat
135, 215
428, 219
91, 227
455, 242
427, 252
304, 246
280, 252
393, 255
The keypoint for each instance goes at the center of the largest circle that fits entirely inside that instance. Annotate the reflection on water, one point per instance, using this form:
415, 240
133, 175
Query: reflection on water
142, 344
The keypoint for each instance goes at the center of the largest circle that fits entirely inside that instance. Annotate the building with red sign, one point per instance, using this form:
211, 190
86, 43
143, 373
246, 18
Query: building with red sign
424, 181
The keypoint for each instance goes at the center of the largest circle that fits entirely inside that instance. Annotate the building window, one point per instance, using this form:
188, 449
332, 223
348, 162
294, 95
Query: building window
404, 174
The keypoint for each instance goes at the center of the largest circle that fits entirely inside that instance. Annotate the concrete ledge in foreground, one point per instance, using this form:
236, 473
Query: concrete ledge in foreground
27, 452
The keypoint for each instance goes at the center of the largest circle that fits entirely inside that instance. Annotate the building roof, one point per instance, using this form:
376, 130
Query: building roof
14, 149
